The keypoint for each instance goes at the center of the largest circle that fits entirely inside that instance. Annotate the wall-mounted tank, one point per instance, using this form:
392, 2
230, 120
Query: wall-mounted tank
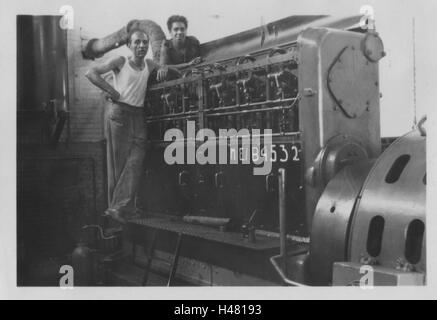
42, 77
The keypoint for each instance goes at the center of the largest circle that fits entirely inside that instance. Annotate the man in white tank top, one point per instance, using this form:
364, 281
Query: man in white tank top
125, 127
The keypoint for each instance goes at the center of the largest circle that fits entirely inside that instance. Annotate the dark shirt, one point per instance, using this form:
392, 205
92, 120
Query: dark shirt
172, 56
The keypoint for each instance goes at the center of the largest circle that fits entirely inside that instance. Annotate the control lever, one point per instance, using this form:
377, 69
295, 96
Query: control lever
248, 229
165, 97
278, 77
244, 82
218, 89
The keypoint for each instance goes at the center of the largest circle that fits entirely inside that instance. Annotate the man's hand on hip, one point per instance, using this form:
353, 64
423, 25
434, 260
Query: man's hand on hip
113, 96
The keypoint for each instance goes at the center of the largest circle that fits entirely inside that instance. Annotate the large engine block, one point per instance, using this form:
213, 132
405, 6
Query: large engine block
318, 94
312, 81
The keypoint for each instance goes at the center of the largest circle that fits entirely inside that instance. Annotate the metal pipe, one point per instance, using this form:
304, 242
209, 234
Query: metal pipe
285, 134
282, 218
194, 113
282, 274
173, 115
67, 91
270, 234
230, 71
250, 111
98, 47
255, 104
281, 32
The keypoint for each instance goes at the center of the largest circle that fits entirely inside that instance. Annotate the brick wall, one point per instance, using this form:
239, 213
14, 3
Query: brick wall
86, 101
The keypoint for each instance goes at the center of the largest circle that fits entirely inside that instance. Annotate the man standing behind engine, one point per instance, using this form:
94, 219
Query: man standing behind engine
181, 51
125, 127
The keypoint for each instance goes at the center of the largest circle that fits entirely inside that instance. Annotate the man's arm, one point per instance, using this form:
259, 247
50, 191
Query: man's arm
94, 74
165, 61
162, 70
194, 46
193, 62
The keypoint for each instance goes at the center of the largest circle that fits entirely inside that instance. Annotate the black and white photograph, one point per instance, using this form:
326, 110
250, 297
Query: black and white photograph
250, 144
